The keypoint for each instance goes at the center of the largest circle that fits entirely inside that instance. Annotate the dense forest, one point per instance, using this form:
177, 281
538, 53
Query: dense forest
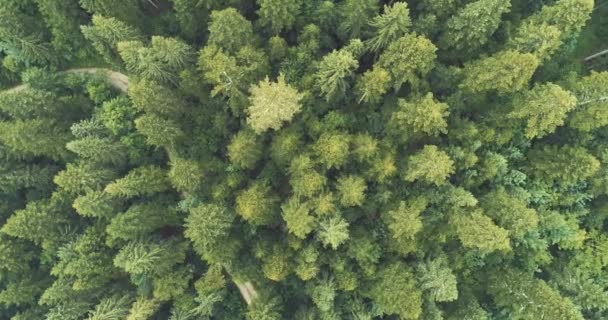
303, 159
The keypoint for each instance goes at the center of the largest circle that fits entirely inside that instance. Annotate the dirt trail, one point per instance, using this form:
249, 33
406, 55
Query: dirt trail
121, 82
116, 79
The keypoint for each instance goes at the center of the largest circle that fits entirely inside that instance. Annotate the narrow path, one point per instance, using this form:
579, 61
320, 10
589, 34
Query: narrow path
116, 79
120, 82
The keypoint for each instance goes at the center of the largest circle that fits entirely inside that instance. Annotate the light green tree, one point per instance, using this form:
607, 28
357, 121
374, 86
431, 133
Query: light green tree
396, 292
408, 59
391, 25
298, 218
332, 149
272, 104
145, 180
208, 227
335, 73
592, 102
229, 30
105, 33
351, 190
544, 108
373, 84
476, 230
425, 116
506, 72
437, 280
280, 15
430, 165
463, 35
244, 150
257, 204
333, 231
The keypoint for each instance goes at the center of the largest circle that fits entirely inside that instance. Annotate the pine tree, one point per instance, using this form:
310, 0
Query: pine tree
529, 298
424, 116
506, 72
351, 190
404, 223
462, 35
437, 280
332, 149
373, 85
229, 30
161, 62
430, 165
335, 72
592, 98
355, 17
208, 227
159, 131
127, 11
146, 180
244, 150
272, 103
333, 231
298, 218
257, 204
395, 291
280, 15
510, 212
393, 24
544, 107
105, 33
408, 59
141, 219
35, 137
476, 230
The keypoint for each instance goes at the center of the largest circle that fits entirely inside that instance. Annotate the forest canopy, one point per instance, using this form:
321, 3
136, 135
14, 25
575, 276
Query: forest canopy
303, 159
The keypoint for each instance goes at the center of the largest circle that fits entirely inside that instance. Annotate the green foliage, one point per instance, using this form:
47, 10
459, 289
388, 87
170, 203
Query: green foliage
408, 59
390, 26
476, 230
161, 62
146, 180
462, 35
256, 204
35, 137
333, 231
332, 149
425, 116
355, 17
430, 165
186, 175
272, 103
207, 226
544, 107
297, 217
506, 72
318, 160
335, 72
351, 190
105, 34
395, 291
404, 222
538, 299
437, 280
159, 131
373, 85
564, 165
592, 98
280, 15
244, 150
229, 30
